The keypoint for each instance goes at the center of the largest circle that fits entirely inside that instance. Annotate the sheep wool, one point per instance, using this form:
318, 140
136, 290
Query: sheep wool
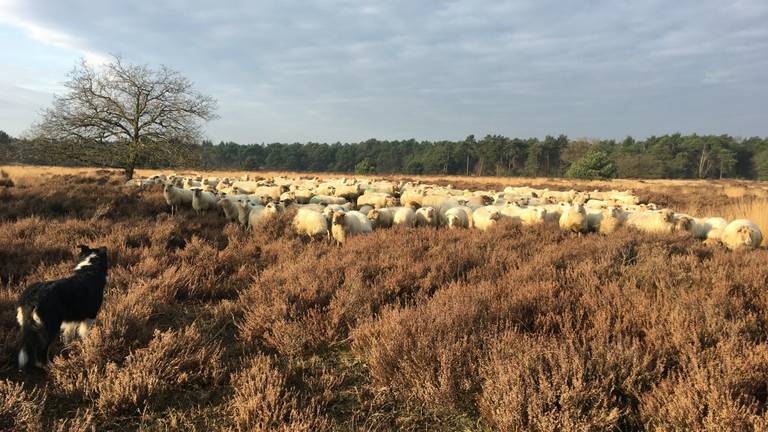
741, 234
574, 218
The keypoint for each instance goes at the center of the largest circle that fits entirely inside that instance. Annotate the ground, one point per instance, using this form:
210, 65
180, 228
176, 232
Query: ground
209, 327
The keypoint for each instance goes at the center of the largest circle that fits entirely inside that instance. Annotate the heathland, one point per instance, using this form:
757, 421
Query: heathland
206, 326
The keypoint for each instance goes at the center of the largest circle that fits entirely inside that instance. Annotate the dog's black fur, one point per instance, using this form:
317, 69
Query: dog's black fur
44, 306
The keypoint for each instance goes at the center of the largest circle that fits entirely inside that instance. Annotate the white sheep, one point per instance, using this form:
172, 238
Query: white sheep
657, 222
404, 217
327, 199
203, 200
349, 223
258, 215
486, 217
426, 216
574, 218
382, 217
741, 234
230, 208
376, 199
456, 217
611, 219
176, 197
311, 223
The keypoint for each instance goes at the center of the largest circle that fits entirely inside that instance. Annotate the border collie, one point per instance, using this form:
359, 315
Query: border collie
66, 305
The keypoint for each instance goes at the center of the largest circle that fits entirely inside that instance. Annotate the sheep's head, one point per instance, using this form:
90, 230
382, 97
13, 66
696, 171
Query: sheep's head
389, 201
667, 215
453, 221
373, 215
612, 212
495, 215
745, 235
197, 192
683, 223
338, 218
540, 214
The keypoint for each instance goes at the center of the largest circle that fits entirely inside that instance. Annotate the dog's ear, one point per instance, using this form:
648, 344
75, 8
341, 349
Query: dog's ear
83, 249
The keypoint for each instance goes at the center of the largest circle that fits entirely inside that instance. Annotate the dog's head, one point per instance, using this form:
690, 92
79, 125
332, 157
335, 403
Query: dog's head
86, 251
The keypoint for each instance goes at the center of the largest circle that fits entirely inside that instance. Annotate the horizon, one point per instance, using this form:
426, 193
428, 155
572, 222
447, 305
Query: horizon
341, 71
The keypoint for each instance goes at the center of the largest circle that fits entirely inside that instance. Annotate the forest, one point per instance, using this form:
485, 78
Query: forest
674, 156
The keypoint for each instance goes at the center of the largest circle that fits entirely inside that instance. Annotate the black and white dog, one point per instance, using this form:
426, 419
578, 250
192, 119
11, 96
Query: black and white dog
66, 305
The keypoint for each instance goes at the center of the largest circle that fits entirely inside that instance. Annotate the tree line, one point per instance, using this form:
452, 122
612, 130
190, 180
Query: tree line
667, 156
126, 116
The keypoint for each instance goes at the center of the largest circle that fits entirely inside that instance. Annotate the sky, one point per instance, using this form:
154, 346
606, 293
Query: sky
349, 70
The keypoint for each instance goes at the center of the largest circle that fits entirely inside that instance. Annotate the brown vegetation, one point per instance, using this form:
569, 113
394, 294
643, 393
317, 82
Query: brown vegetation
211, 327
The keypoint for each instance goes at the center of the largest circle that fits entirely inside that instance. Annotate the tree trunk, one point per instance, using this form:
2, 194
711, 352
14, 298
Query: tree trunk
129, 172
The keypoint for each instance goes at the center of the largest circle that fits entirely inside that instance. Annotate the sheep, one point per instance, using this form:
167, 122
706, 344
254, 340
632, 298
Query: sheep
708, 228
365, 209
456, 217
191, 184
244, 210
327, 199
229, 206
610, 221
350, 192
259, 214
383, 217
404, 217
349, 223
741, 234
412, 197
311, 223
533, 215
573, 218
486, 217
426, 216
376, 199
659, 222
175, 196
202, 200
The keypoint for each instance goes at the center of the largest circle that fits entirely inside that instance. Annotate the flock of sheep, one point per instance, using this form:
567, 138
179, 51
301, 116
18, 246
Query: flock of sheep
338, 208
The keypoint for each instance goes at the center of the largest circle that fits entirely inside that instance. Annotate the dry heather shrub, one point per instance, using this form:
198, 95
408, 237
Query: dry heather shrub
430, 351
9, 331
83, 421
723, 388
263, 402
209, 273
172, 360
542, 384
20, 409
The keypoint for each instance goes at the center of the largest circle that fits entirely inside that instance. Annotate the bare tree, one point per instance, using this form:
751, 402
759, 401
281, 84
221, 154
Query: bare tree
122, 114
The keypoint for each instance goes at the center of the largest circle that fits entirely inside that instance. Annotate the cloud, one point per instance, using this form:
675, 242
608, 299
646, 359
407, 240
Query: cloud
352, 69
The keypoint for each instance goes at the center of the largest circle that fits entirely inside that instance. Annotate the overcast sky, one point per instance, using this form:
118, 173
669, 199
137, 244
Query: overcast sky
350, 70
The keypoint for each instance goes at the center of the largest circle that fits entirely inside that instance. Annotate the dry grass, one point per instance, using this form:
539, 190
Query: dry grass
209, 327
